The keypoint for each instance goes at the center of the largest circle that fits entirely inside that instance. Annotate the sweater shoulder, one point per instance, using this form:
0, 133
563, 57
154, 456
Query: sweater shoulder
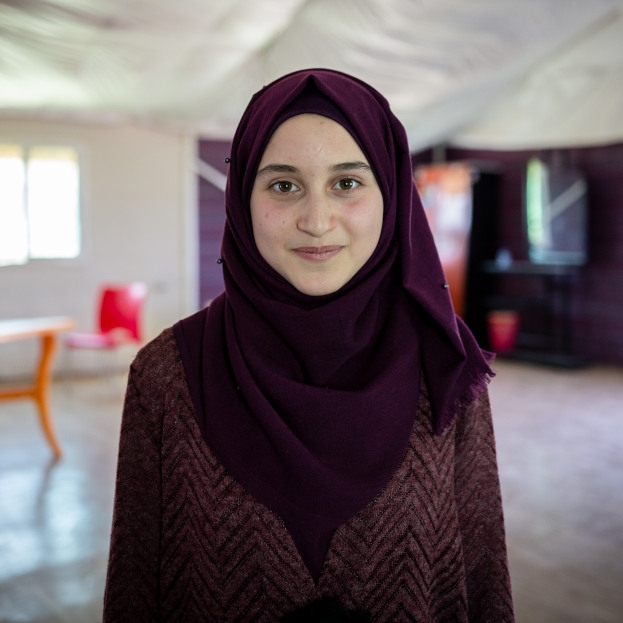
158, 363
158, 346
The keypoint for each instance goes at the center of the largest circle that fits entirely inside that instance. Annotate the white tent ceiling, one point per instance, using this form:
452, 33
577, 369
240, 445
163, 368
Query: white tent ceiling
505, 74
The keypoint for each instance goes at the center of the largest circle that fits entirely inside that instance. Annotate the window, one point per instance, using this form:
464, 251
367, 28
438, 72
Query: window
556, 211
39, 203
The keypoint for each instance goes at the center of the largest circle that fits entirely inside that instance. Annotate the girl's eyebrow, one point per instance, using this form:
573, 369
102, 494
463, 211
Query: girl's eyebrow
269, 169
350, 166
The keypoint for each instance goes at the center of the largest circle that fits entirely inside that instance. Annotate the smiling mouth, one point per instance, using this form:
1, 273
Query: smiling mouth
317, 254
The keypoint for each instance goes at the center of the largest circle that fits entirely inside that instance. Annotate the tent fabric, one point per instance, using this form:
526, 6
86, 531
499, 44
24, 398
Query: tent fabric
503, 74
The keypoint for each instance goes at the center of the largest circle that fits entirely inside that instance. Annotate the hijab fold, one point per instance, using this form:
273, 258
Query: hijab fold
309, 402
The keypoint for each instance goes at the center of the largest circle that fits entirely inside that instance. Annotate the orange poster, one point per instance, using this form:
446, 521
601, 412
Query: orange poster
446, 192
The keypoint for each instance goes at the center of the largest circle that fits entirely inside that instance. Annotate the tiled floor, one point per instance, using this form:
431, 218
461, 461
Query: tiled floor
560, 450
55, 515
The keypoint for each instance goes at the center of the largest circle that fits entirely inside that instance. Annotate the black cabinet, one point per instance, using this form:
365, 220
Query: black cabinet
542, 295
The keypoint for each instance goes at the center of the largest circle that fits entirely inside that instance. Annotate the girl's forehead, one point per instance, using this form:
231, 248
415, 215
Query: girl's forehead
308, 135
310, 139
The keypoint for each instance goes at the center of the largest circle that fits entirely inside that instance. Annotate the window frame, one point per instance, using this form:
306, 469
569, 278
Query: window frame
26, 144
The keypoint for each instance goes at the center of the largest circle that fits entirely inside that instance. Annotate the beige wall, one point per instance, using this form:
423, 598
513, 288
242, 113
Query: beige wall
139, 210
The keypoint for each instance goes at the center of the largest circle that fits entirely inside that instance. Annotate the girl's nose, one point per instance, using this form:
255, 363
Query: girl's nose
316, 217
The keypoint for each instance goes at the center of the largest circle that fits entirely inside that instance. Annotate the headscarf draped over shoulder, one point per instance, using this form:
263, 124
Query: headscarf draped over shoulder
309, 402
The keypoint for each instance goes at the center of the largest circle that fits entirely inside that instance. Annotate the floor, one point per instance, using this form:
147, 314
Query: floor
55, 515
560, 451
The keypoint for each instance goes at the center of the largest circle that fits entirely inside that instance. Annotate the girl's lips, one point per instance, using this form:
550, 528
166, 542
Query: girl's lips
317, 254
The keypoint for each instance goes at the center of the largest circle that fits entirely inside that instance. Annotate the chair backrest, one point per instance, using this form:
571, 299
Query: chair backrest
121, 308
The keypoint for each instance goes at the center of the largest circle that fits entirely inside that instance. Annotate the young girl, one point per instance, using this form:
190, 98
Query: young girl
320, 436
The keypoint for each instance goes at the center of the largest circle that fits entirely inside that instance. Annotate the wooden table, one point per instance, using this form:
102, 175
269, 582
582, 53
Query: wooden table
47, 330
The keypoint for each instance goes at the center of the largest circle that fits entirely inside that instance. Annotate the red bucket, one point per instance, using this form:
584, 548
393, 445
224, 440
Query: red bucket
502, 328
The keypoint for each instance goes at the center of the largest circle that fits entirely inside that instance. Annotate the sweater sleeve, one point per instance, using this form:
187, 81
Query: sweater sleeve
132, 583
481, 519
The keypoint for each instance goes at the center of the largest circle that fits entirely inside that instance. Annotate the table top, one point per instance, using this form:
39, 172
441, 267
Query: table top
22, 328
530, 268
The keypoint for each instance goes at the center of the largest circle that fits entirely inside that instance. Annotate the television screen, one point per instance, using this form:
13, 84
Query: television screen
556, 214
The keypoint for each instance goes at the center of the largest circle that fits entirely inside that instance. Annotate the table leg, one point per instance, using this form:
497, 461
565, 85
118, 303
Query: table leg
42, 391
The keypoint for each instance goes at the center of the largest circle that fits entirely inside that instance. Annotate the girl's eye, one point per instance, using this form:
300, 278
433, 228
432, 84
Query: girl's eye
346, 184
284, 187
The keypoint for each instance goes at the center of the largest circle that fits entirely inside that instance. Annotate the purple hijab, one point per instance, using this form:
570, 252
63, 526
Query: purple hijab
309, 402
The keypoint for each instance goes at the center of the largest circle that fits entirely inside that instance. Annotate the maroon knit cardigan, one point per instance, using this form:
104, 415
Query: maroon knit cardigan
190, 544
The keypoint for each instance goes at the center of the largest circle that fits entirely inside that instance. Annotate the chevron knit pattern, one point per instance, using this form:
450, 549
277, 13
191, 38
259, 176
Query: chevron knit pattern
190, 544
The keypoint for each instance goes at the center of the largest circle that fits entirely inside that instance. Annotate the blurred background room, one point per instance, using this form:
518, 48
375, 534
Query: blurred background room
116, 118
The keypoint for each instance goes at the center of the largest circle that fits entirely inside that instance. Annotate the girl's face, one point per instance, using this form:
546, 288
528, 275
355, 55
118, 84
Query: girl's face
316, 208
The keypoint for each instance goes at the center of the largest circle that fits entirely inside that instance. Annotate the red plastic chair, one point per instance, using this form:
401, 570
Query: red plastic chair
120, 316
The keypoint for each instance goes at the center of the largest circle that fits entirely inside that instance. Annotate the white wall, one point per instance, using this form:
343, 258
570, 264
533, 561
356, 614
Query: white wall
139, 206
